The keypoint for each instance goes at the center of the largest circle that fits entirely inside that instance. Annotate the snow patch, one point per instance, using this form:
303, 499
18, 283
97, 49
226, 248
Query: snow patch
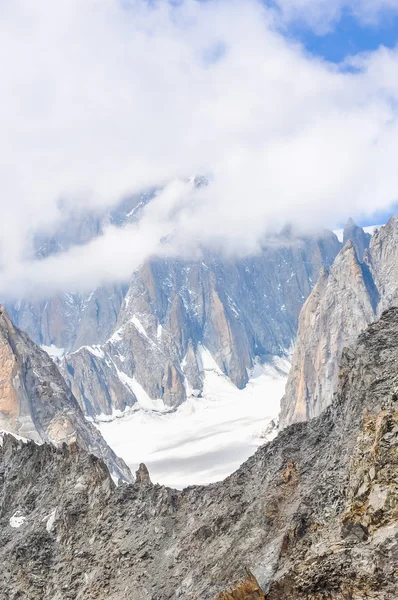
159, 332
144, 401
17, 520
53, 351
50, 519
139, 326
372, 228
206, 362
96, 351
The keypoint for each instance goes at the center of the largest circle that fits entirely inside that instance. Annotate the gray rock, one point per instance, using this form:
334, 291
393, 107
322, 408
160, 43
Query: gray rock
69, 321
36, 403
358, 237
242, 311
142, 475
345, 300
300, 514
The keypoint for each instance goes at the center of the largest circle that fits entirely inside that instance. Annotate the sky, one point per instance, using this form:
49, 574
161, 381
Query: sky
289, 107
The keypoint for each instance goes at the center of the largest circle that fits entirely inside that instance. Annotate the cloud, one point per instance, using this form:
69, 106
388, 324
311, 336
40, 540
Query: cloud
102, 98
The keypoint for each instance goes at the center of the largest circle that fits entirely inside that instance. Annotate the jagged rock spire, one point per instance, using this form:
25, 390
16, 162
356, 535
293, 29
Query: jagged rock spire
142, 475
357, 235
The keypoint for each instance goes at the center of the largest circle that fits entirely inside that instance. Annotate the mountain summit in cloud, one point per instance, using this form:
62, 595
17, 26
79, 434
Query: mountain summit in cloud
122, 97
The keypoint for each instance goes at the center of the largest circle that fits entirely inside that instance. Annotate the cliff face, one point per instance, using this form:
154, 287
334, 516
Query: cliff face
346, 299
71, 320
240, 310
312, 515
68, 321
36, 403
358, 237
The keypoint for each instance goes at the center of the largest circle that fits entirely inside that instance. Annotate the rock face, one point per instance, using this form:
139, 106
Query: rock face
69, 321
347, 297
241, 311
143, 342
358, 237
312, 515
36, 403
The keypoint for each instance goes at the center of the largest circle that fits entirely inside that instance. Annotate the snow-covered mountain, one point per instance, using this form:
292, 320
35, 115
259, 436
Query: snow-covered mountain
139, 348
241, 311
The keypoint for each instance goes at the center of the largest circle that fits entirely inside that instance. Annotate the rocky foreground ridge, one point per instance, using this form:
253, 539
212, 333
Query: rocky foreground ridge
36, 403
312, 515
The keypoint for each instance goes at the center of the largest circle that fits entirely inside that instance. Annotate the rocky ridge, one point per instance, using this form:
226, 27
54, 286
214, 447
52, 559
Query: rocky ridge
241, 311
36, 403
143, 342
312, 515
351, 294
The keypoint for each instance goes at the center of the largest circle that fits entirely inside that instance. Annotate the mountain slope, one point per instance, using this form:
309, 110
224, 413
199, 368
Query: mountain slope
36, 403
346, 299
242, 311
312, 514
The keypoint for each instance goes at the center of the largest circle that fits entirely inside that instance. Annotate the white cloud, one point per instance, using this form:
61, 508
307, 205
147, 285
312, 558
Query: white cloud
102, 98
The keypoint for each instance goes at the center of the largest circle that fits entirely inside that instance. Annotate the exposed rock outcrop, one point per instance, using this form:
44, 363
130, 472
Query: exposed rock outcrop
240, 310
36, 403
142, 475
245, 590
359, 238
312, 515
345, 300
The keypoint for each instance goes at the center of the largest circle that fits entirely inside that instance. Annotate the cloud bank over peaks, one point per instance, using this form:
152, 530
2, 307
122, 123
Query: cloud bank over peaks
102, 99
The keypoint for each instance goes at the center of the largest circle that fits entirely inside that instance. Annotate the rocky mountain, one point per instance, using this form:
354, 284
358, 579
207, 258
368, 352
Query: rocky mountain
361, 283
70, 320
36, 403
129, 344
240, 310
312, 515
358, 237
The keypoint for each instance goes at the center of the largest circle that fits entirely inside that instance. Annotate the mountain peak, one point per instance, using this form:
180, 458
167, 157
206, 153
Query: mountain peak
198, 180
358, 237
350, 224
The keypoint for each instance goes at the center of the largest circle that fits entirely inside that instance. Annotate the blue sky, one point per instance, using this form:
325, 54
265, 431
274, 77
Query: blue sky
348, 37
379, 217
